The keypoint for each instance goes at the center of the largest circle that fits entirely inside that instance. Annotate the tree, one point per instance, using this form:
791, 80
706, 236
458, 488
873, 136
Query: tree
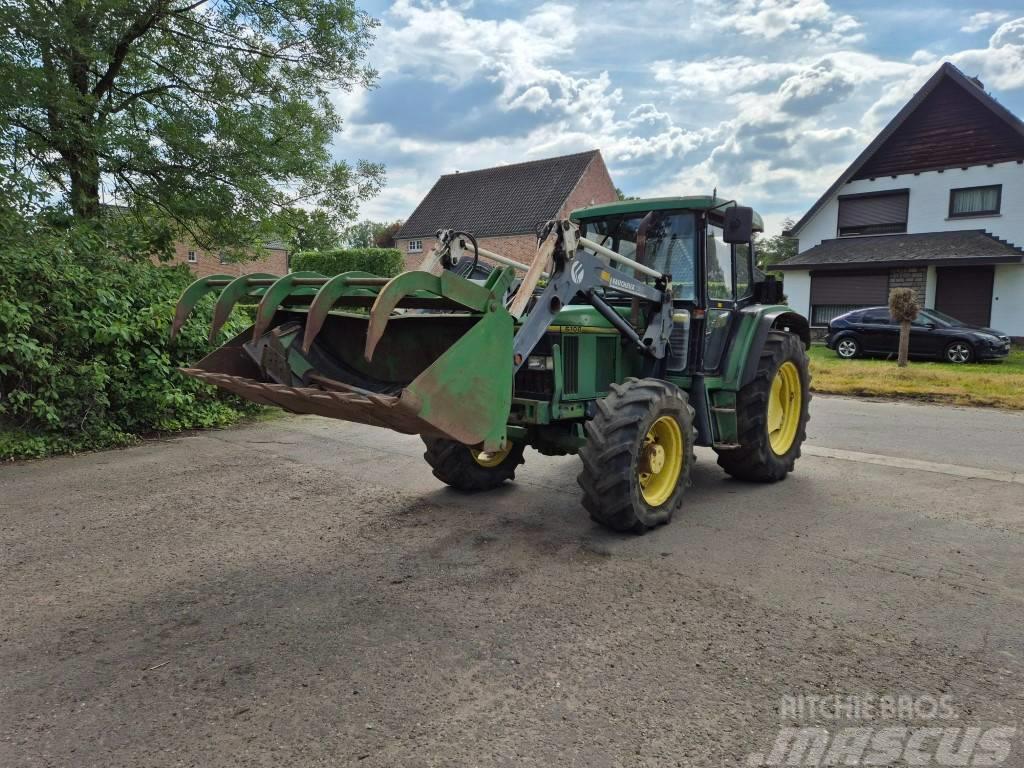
371, 234
903, 308
773, 250
385, 237
305, 230
623, 196
214, 114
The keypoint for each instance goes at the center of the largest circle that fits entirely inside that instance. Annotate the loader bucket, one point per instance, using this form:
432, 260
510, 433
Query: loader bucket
433, 356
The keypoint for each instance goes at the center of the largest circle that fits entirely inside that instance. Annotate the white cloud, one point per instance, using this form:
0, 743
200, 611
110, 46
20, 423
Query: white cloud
1001, 64
771, 19
771, 102
983, 20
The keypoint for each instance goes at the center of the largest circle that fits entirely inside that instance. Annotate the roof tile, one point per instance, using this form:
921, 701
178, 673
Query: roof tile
505, 200
921, 248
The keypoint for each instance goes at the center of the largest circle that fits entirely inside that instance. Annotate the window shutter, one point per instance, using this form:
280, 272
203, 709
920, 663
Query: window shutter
865, 289
873, 210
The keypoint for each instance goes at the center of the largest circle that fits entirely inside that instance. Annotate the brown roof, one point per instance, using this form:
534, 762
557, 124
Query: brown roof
956, 247
505, 200
935, 138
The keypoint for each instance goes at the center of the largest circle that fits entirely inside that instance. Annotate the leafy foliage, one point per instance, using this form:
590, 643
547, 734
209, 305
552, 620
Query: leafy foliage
371, 234
214, 114
386, 262
85, 359
774, 250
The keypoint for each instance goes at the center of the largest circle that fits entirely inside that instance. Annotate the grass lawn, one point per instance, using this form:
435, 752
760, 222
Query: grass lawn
1000, 385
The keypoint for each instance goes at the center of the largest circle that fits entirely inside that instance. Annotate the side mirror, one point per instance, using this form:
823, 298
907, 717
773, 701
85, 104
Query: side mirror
930, 326
739, 224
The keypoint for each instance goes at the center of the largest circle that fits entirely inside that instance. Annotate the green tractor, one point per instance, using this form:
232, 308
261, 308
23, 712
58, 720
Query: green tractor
641, 329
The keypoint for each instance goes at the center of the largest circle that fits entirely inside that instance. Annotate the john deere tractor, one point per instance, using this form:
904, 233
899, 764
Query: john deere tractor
640, 330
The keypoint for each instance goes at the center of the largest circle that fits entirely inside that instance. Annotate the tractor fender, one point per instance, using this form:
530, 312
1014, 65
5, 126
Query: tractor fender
773, 318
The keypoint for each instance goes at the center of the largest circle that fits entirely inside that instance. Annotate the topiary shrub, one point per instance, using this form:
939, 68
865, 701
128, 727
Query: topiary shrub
85, 358
903, 308
385, 262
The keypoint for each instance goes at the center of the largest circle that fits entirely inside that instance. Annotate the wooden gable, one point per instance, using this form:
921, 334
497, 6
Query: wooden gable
950, 128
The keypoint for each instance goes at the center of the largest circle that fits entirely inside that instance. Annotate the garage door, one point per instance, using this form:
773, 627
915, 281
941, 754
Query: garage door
965, 293
834, 293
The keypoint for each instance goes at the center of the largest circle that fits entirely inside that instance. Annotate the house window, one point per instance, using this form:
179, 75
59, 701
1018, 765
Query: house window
873, 213
975, 201
192, 259
415, 246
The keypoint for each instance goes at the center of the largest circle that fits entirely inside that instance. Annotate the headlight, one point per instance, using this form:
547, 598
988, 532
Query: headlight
540, 363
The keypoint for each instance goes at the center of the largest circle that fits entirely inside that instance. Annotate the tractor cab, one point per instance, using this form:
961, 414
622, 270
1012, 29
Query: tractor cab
705, 246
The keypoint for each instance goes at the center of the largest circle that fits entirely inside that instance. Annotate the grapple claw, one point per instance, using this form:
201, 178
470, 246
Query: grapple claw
193, 295
252, 286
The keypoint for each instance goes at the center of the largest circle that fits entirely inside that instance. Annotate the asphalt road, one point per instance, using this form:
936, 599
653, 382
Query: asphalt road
303, 592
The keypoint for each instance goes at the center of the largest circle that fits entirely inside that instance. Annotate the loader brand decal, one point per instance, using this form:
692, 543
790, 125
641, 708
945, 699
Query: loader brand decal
576, 272
624, 285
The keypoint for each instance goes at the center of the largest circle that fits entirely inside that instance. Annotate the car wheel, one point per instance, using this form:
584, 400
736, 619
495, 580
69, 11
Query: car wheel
847, 348
959, 352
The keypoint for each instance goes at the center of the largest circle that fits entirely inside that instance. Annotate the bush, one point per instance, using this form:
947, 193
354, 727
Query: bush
85, 359
385, 262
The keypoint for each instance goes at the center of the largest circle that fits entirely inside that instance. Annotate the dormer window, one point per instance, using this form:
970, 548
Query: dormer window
873, 213
975, 201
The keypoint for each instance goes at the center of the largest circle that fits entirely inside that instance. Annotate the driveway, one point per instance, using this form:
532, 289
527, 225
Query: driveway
303, 592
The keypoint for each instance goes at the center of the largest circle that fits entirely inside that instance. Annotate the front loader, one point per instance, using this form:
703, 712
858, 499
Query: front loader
641, 329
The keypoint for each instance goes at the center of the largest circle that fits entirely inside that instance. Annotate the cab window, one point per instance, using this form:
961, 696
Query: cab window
669, 245
719, 259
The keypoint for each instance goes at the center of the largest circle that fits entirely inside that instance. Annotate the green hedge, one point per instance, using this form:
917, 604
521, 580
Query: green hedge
385, 262
85, 358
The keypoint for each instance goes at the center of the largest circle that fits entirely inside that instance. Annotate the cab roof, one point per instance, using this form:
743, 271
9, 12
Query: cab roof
690, 203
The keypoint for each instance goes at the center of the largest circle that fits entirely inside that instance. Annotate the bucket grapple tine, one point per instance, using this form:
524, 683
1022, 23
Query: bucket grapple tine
325, 299
192, 295
252, 286
295, 284
446, 285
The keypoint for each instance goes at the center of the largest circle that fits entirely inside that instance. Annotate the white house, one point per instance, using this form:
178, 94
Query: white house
935, 203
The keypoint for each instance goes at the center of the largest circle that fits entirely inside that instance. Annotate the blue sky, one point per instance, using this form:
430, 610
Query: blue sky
767, 100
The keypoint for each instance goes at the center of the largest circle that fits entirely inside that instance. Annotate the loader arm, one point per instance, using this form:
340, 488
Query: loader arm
578, 271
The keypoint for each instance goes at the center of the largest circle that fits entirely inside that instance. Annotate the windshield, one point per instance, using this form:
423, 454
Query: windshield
941, 318
670, 245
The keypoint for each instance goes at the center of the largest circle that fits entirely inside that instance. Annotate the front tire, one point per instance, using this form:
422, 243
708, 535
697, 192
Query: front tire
638, 455
467, 469
772, 412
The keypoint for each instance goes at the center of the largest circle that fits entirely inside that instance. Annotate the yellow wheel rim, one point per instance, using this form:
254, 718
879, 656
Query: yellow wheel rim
490, 459
661, 461
784, 405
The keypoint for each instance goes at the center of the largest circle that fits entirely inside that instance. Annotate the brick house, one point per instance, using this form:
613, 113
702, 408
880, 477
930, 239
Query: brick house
204, 263
502, 206
933, 204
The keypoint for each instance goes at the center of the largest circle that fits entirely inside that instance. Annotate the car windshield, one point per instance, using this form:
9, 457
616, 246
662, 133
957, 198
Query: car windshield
670, 245
941, 318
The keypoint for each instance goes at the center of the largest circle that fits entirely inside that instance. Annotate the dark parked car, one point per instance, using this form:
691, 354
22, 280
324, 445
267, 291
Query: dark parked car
933, 335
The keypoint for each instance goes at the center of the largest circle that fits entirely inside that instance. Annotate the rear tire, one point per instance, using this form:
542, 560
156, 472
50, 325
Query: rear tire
465, 469
638, 455
848, 348
756, 459
959, 352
